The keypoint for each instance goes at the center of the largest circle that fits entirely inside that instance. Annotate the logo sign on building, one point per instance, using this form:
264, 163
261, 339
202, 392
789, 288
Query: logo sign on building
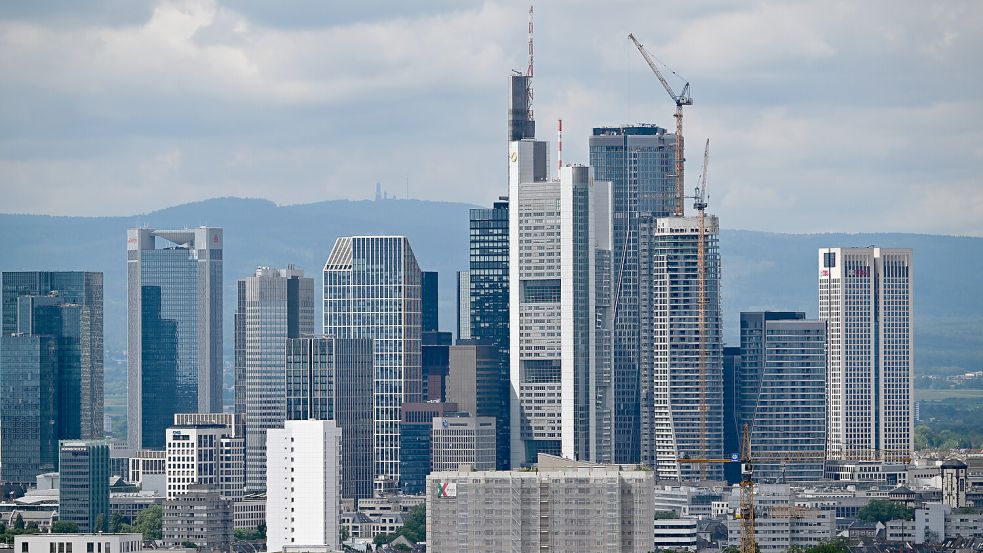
446, 489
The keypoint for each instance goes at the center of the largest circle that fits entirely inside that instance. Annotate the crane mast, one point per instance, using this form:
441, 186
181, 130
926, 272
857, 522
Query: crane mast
681, 99
700, 204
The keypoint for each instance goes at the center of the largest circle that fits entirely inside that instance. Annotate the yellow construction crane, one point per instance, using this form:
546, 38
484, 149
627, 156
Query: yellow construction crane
681, 99
700, 204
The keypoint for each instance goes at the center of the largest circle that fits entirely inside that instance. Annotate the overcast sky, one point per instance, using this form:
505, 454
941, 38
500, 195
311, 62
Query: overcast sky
823, 116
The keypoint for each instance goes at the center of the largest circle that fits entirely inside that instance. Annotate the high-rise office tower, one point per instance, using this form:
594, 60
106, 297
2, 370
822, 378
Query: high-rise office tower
372, 290
560, 309
865, 296
28, 406
488, 303
782, 392
435, 364
682, 413
273, 305
78, 307
463, 305
429, 301
638, 160
303, 486
472, 382
732, 431
83, 491
332, 379
521, 123
207, 453
174, 285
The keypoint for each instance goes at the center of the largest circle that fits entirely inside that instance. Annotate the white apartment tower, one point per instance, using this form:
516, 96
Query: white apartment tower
559, 309
866, 297
303, 486
681, 405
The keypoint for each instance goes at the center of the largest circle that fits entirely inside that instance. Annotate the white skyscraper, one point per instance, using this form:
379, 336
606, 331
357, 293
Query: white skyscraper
272, 306
559, 308
372, 289
303, 486
682, 404
865, 295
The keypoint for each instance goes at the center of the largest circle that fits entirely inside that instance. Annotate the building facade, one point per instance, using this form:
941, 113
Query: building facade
638, 161
303, 472
204, 454
463, 440
83, 490
429, 301
866, 299
782, 392
200, 515
174, 345
463, 305
560, 310
331, 379
488, 303
473, 379
372, 290
682, 390
79, 305
416, 442
272, 306
564, 506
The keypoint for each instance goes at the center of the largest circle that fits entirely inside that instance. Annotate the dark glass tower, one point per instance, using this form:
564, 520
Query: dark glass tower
429, 318
638, 160
489, 276
331, 379
83, 490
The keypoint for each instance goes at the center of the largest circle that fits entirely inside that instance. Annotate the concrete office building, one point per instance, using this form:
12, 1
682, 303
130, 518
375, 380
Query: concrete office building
564, 506
148, 469
463, 305
174, 345
205, 454
416, 442
865, 296
560, 310
80, 302
463, 440
79, 543
372, 290
638, 160
200, 515
782, 392
303, 486
331, 379
83, 490
673, 384
488, 303
473, 379
676, 534
272, 306
780, 527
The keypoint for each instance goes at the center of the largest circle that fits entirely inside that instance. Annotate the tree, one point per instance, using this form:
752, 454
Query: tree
19, 522
343, 535
189, 545
664, 515
148, 523
837, 545
883, 510
100, 525
64, 527
116, 522
415, 524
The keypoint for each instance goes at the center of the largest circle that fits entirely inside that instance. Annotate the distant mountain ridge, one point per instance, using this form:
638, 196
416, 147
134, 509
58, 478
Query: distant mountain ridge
761, 270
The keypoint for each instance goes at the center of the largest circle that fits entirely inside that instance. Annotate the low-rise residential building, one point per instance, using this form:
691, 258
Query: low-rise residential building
200, 515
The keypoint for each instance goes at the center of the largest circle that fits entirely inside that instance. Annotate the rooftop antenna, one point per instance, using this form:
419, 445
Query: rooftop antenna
559, 146
529, 71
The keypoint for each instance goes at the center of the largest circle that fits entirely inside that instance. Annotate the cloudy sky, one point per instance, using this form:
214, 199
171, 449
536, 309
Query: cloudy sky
823, 116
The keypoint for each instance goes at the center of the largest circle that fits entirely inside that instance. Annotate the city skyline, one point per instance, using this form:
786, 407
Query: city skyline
795, 125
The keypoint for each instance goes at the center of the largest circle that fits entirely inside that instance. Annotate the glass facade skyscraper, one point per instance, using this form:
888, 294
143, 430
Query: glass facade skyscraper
488, 282
638, 160
331, 379
430, 318
83, 493
273, 305
372, 290
174, 280
782, 392
76, 316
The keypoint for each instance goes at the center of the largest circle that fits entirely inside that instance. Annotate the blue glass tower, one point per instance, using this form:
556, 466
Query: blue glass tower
489, 297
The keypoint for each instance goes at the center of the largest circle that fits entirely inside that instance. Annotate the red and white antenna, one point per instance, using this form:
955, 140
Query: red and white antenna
529, 69
559, 146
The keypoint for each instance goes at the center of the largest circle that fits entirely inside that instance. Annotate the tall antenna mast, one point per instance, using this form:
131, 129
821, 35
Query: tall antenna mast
559, 146
529, 71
